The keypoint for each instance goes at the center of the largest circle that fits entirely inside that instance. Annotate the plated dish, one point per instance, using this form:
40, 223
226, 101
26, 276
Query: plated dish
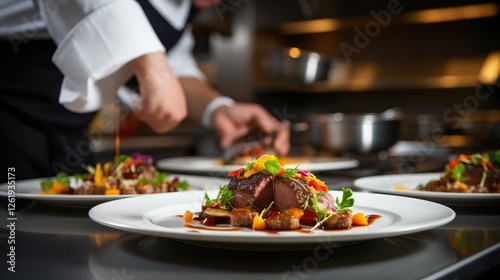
213, 165
161, 215
264, 195
407, 185
30, 189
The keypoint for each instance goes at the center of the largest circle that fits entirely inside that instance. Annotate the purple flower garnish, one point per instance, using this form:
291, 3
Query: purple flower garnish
148, 160
304, 172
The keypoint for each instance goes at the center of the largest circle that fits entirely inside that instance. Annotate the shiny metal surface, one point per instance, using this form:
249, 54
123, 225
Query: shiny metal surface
355, 133
59, 243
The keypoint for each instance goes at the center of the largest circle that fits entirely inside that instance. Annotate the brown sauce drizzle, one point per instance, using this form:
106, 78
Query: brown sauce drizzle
369, 218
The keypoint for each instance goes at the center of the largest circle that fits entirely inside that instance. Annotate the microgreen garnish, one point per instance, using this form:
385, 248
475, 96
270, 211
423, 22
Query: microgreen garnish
483, 179
250, 165
61, 177
290, 172
496, 159
347, 201
224, 196
457, 173
183, 185
158, 179
267, 209
320, 214
272, 166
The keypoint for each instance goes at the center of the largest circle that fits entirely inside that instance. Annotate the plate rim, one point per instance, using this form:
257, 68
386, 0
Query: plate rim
170, 164
137, 223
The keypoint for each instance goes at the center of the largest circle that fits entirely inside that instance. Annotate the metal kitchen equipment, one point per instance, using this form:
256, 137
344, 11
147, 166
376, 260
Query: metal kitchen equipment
354, 133
298, 65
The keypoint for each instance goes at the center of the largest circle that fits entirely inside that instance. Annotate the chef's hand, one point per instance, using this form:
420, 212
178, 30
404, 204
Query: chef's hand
234, 122
163, 104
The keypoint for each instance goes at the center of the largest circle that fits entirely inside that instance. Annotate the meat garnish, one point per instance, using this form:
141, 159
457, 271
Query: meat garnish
242, 217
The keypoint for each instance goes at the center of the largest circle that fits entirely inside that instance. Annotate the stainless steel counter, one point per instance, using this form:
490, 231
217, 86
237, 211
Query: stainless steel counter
61, 243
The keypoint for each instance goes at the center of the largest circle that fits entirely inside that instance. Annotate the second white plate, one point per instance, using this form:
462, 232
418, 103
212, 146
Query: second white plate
30, 189
387, 183
214, 165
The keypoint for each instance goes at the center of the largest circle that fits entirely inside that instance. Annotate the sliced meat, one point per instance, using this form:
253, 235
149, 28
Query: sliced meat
339, 221
289, 193
282, 222
326, 201
242, 217
254, 191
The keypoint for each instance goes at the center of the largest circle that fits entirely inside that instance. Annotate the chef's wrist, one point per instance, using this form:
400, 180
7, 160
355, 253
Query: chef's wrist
206, 119
150, 68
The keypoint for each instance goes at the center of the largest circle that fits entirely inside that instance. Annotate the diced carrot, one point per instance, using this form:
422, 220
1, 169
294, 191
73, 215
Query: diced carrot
59, 188
188, 216
112, 191
463, 186
399, 187
359, 219
258, 223
296, 212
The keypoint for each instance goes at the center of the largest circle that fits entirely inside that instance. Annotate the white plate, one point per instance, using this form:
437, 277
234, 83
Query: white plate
30, 189
214, 165
386, 184
161, 215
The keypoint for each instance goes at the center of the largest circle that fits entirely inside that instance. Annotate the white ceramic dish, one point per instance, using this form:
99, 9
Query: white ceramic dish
386, 184
161, 215
214, 165
30, 189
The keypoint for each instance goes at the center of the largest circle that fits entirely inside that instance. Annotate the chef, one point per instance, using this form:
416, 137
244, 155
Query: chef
61, 61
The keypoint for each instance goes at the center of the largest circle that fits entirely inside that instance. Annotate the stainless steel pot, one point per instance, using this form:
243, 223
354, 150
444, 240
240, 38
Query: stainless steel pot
298, 65
354, 133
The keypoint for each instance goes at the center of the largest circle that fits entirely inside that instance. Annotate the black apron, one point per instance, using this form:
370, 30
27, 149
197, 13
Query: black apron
39, 136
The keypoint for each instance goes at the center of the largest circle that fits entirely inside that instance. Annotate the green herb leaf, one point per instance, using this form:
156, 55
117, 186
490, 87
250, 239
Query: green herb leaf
160, 177
224, 196
62, 178
457, 173
273, 166
183, 185
475, 158
250, 165
347, 201
290, 172
46, 184
496, 159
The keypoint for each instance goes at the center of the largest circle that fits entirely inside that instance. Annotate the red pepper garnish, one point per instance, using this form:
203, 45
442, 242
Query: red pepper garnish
318, 185
453, 163
235, 173
282, 171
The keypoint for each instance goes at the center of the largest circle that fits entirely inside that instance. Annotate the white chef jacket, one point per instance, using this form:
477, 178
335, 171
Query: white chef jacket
96, 39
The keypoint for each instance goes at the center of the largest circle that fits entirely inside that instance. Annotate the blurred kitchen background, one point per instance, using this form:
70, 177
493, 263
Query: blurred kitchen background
435, 64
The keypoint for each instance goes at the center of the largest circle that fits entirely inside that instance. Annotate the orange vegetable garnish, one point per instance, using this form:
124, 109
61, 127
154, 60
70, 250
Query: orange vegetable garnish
188, 216
111, 191
400, 188
318, 185
258, 223
59, 188
359, 219
296, 212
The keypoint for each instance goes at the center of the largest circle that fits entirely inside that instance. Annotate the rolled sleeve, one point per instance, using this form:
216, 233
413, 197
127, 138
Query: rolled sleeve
94, 53
181, 58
